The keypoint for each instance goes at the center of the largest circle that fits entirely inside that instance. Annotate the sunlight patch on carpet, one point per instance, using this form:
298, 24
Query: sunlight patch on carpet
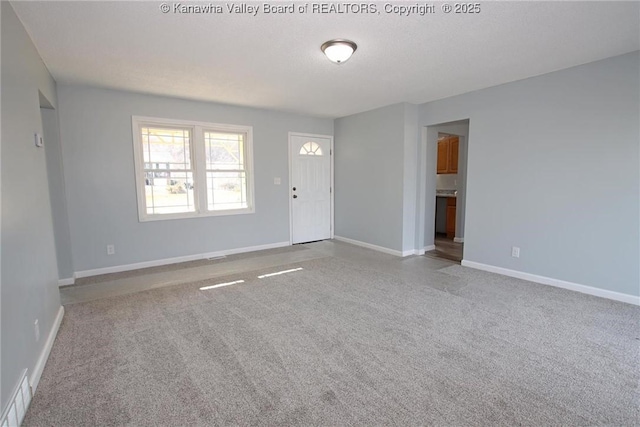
219, 285
277, 273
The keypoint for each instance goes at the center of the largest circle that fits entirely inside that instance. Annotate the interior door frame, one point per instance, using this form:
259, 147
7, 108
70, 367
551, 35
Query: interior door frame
331, 183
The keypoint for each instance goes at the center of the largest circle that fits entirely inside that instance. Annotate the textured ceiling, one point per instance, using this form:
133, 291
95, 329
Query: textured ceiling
274, 60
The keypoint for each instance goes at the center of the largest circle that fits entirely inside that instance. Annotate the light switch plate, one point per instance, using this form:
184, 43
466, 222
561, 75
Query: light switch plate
276, 181
39, 140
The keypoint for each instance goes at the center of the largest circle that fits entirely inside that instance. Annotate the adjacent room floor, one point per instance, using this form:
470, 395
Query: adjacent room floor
342, 336
446, 248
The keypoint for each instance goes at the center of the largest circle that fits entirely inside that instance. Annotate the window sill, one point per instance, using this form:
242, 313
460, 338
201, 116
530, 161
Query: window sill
165, 217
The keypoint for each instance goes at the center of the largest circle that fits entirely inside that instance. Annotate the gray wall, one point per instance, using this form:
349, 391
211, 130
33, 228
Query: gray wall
410, 176
553, 168
57, 191
29, 288
369, 176
376, 176
97, 151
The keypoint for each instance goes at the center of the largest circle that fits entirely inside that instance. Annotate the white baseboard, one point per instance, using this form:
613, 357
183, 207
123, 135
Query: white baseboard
42, 360
425, 249
603, 293
66, 282
458, 239
371, 246
166, 261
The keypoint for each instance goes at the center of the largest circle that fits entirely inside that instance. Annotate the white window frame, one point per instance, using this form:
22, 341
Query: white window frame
198, 155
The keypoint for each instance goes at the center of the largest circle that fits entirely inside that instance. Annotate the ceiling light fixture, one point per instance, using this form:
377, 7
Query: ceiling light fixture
338, 50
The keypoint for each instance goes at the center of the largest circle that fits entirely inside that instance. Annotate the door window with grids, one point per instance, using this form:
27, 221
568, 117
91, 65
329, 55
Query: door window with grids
192, 169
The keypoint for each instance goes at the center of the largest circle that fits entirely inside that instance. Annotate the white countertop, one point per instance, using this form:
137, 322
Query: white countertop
446, 193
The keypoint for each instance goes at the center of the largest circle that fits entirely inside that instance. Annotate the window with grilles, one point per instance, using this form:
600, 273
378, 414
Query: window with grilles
168, 170
192, 169
226, 171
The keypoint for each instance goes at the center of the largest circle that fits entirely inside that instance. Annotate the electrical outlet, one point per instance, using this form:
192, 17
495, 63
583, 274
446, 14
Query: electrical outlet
111, 249
36, 329
276, 181
515, 252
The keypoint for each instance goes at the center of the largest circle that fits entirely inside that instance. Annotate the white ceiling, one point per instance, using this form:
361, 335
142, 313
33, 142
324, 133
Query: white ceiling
274, 61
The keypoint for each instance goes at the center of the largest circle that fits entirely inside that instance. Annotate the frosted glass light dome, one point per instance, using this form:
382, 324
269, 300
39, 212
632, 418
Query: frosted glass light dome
339, 50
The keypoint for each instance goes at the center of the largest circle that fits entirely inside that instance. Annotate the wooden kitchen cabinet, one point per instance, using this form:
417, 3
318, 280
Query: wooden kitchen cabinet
453, 154
448, 148
451, 217
443, 156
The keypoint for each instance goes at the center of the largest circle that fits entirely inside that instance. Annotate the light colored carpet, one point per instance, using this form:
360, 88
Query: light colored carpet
129, 282
355, 338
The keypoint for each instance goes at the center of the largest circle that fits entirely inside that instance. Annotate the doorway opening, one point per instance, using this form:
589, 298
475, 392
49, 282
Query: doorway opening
446, 177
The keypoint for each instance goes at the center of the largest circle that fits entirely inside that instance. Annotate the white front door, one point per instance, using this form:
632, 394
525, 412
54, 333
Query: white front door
310, 188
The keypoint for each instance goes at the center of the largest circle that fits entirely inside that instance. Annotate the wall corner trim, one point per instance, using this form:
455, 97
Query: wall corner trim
166, 261
44, 356
373, 247
458, 239
430, 248
543, 280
